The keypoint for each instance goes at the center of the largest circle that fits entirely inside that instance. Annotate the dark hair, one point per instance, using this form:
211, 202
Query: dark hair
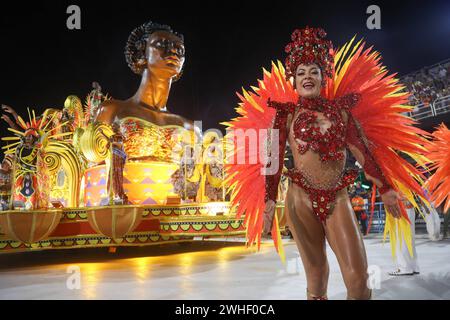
137, 43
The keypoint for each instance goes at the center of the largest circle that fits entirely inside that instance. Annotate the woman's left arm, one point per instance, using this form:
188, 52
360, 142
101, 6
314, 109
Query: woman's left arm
358, 145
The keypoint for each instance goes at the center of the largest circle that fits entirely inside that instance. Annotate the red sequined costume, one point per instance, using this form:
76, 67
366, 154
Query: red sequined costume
328, 145
364, 107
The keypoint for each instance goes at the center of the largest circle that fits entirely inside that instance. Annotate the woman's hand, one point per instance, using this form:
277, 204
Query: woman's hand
269, 212
390, 200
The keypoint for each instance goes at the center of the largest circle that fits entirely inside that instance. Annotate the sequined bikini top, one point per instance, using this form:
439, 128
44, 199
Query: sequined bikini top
328, 144
144, 140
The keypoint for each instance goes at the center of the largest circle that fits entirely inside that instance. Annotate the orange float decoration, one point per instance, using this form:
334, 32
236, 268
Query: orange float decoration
115, 221
29, 227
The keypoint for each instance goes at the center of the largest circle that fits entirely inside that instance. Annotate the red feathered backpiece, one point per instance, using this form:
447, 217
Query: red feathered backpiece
381, 114
439, 155
245, 178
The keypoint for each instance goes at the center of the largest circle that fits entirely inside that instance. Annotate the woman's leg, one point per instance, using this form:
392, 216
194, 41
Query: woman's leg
309, 236
344, 237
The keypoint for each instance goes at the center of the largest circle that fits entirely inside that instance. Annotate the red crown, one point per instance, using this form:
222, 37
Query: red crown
309, 46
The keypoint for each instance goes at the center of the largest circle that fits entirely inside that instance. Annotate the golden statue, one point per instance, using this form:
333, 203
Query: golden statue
154, 139
156, 53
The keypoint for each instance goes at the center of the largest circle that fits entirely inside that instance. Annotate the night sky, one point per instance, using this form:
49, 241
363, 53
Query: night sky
42, 62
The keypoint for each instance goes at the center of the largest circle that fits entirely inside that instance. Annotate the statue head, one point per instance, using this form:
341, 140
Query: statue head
156, 48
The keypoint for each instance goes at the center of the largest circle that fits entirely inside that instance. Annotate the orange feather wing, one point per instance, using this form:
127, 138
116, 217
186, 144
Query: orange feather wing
245, 178
439, 155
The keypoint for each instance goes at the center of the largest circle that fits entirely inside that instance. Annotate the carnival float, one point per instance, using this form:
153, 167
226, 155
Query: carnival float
109, 173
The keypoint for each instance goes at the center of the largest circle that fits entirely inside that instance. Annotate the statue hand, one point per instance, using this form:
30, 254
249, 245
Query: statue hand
9, 121
96, 86
390, 200
8, 109
269, 212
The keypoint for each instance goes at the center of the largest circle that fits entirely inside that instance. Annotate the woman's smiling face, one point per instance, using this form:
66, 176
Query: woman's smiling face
308, 80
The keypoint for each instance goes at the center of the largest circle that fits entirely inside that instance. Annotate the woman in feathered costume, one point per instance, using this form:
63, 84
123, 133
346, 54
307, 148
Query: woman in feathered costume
325, 102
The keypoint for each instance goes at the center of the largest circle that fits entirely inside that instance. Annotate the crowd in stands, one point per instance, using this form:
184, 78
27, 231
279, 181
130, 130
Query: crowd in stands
428, 84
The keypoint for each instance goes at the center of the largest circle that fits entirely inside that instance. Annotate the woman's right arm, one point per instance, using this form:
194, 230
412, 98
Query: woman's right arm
282, 122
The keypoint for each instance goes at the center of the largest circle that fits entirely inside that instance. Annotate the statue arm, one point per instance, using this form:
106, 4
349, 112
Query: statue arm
107, 113
10, 110
10, 122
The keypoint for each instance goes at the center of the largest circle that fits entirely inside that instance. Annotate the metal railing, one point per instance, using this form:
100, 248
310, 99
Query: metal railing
433, 109
378, 219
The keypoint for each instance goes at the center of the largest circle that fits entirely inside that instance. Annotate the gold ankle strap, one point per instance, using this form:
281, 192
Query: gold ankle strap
369, 298
311, 296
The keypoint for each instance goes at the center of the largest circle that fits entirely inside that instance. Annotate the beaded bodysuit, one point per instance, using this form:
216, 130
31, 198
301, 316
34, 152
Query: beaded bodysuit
329, 146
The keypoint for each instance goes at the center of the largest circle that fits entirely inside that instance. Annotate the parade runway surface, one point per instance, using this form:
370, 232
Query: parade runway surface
209, 270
